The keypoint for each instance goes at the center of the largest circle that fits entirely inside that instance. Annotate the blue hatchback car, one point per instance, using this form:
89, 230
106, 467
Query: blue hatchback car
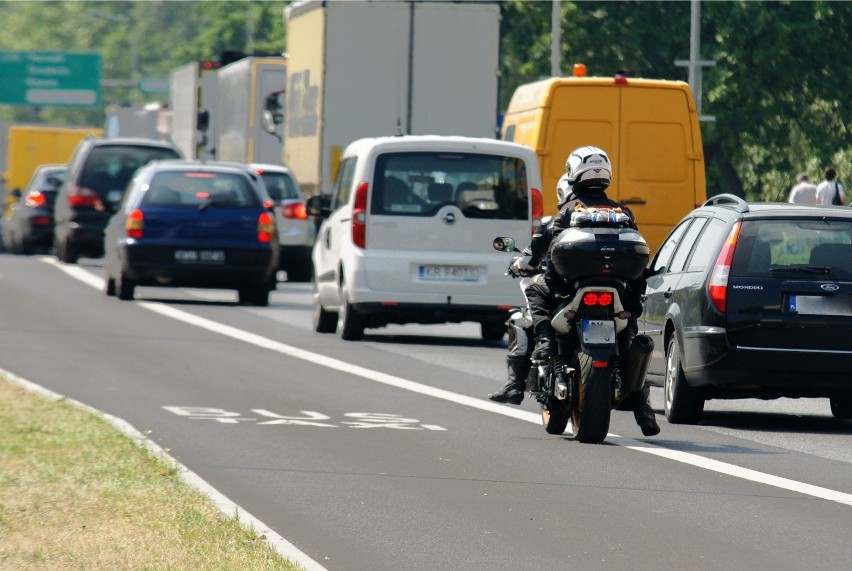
193, 224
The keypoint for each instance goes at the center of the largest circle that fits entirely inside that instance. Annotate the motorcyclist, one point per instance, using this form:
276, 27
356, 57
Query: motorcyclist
530, 266
588, 174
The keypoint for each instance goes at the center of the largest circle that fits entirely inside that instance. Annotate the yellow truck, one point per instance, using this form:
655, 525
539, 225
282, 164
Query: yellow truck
648, 127
28, 146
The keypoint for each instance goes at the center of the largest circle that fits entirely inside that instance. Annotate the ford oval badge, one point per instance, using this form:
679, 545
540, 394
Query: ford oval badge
830, 287
449, 218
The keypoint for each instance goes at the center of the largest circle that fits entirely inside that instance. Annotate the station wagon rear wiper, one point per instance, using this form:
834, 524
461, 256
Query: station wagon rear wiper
803, 270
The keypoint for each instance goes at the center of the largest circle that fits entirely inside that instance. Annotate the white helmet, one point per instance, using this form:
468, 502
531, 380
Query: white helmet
564, 192
588, 168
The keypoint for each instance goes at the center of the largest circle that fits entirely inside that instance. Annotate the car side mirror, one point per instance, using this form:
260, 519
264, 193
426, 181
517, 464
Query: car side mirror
318, 206
16, 192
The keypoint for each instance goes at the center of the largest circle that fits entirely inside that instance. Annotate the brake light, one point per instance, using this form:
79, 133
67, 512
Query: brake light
537, 208
135, 224
84, 197
294, 211
35, 199
717, 288
40, 220
603, 298
359, 216
265, 228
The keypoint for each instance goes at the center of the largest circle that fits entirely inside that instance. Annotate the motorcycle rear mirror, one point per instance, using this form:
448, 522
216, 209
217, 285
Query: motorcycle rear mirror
504, 244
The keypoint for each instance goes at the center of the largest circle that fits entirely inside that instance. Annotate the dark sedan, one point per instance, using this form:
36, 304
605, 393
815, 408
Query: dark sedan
29, 226
193, 224
752, 300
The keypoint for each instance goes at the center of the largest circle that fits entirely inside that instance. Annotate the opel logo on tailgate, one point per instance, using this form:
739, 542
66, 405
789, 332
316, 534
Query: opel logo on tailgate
830, 287
449, 218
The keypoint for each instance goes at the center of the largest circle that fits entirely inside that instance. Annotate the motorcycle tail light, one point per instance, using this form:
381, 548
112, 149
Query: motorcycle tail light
135, 224
602, 298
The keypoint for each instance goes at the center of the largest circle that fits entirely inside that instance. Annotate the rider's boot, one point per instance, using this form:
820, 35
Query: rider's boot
643, 412
513, 391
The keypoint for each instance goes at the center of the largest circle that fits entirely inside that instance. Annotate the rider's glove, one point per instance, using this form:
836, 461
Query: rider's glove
521, 266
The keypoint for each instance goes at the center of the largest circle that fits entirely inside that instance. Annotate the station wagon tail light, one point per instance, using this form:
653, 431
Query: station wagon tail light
265, 228
537, 208
359, 216
81, 197
35, 199
717, 288
135, 224
294, 211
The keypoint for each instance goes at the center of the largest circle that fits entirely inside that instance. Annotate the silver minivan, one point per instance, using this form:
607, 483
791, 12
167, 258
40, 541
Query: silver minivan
406, 234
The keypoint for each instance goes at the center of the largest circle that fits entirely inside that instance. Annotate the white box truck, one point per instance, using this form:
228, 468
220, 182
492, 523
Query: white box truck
249, 110
192, 99
371, 68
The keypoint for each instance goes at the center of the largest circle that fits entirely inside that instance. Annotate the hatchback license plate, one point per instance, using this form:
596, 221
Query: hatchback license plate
200, 256
449, 273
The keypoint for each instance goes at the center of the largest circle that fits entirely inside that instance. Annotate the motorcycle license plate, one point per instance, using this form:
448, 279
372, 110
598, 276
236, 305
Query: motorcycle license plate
598, 331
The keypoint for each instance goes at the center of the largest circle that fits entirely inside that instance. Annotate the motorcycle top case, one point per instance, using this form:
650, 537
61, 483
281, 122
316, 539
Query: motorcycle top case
620, 253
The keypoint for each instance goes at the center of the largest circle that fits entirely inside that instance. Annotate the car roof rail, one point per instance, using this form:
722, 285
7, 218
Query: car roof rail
727, 200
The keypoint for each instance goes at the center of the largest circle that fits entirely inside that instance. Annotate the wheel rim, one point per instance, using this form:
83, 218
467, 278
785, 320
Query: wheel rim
671, 373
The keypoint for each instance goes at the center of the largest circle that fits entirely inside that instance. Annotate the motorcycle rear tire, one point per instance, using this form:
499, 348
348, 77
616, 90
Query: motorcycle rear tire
554, 415
590, 415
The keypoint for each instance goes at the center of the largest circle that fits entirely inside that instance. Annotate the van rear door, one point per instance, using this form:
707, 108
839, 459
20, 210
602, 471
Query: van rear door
659, 173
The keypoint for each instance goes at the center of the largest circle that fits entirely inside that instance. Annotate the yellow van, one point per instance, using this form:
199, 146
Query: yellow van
648, 127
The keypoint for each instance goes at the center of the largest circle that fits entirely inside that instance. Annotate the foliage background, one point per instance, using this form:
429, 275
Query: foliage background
778, 91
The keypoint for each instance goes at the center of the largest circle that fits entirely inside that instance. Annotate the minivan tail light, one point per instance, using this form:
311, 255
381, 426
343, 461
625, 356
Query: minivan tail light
265, 228
135, 224
537, 208
359, 216
294, 211
82, 197
717, 288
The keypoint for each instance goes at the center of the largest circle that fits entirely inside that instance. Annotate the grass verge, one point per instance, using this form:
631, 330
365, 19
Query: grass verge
75, 493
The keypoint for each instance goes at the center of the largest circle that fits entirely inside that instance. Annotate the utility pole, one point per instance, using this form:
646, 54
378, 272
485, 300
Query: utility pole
695, 63
555, 40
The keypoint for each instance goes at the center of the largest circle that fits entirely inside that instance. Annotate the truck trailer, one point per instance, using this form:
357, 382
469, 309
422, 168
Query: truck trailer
372, 68
249, 110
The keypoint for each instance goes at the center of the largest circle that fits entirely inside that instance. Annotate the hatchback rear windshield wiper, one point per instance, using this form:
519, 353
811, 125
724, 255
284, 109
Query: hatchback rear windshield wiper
803, 270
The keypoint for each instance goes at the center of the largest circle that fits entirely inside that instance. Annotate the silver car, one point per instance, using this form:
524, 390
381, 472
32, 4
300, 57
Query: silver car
296, 230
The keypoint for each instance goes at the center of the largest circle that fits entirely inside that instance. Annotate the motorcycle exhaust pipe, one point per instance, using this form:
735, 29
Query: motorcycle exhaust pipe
636, 364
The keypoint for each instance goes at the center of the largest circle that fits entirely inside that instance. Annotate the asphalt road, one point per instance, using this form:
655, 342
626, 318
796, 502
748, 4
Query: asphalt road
386, 453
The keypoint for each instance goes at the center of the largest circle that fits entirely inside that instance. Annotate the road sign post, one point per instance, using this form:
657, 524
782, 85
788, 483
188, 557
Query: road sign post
50, 78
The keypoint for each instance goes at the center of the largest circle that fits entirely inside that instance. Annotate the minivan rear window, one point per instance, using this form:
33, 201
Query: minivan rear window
110, 167
801, 247
480, 185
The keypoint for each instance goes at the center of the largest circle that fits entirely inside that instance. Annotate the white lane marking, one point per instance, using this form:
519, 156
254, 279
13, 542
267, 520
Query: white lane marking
222, 502
377, 376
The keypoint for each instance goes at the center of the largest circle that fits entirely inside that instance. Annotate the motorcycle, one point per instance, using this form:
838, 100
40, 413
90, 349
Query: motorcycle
586, 377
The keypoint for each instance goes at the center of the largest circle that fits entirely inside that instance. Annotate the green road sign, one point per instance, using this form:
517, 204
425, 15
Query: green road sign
50, 78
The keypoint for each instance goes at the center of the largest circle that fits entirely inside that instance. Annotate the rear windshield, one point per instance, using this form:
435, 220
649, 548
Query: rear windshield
194, 189
794, 247
280, 185
111, 167
481, 186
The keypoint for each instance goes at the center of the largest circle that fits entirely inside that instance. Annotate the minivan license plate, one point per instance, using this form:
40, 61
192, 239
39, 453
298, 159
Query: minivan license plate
448, 273
200, 256
819, 305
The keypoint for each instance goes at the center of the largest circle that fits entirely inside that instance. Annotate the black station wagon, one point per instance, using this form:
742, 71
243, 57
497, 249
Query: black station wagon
752, 300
